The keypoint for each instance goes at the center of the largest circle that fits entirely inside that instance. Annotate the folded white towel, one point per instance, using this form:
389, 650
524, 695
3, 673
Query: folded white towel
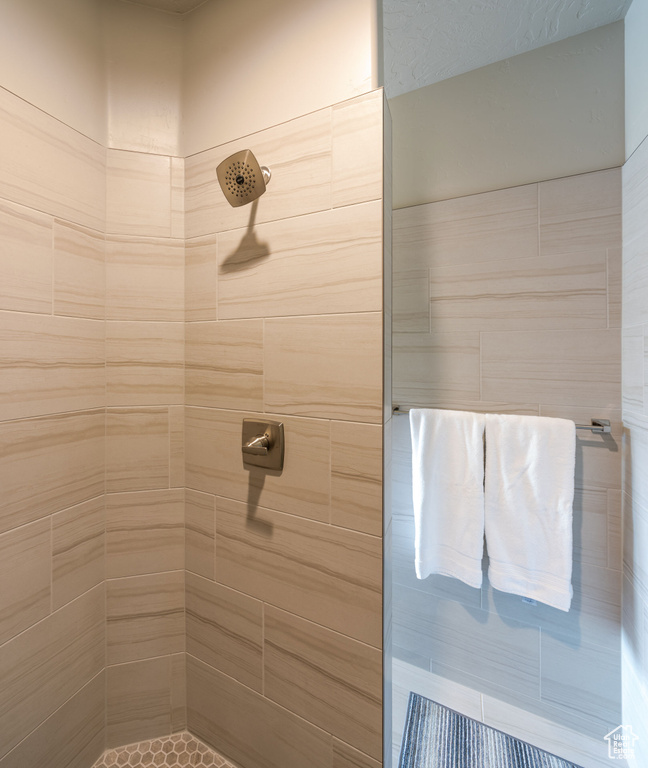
529, 485
448, 493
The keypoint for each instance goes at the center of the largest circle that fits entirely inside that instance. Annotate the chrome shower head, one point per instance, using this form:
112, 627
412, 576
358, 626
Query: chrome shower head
241, 177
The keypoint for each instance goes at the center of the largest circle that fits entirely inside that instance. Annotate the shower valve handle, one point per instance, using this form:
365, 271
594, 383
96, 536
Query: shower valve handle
258, 445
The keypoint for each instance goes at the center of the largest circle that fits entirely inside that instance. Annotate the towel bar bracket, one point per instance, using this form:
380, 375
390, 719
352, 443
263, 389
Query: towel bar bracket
598, 426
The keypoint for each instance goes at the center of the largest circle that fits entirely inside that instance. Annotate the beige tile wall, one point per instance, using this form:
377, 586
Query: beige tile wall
52, 425
635, 418
508, 302
89, 322
96, 525
284, 308
145, 546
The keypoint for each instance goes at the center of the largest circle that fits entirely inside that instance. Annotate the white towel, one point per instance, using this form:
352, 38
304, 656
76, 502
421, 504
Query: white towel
448, 493
529, 491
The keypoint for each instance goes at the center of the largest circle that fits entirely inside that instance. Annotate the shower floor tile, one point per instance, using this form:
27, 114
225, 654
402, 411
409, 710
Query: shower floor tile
177, 751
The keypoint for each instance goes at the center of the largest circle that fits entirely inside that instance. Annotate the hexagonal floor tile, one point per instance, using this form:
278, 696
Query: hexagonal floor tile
179, 750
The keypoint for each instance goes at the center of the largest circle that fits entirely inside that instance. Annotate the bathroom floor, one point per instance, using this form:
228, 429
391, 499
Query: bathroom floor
181, 749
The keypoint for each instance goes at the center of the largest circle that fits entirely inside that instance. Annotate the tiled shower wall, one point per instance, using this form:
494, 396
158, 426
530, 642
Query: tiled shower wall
92, 258
284, 303
509, 302
52, 425
635, 417
145, 624
284, 616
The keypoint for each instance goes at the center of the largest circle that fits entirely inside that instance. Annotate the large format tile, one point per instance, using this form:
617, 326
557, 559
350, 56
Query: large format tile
248, 728
486, 227
585, 679
317, 264
144, 278
137, 449
224, 364
598, 457
145, 616
411, 301
357, 476
201, 278
215, 464
591, 525
326, 574
357, 149
49, 463
72, 737
632, 371
50, 364
25, 259
298, 154
178, 692
138, 701
552, 734
25, 556
553, 367
79, 271
144, 363
331, 680
48, 663
474, 647
564, 291
144, 532
432, 366
614, 280
580, 212
409, 678
78, 546
327, 366
345, 756
594, 615
615, 548
635, 282
177, 197
138, 194
200, 513
635, 234
225, 630
176, 446
50, 167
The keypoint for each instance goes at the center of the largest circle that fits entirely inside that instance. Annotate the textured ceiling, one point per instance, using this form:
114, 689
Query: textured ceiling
173, 6
430, 40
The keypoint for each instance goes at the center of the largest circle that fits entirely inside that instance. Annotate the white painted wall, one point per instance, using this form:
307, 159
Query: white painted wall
636, 75
139, 79
51, 54
426, 42
144, 53
554, 111
245, 70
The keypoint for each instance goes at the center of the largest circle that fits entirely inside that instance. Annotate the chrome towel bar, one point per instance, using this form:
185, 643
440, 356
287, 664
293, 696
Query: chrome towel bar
598, 426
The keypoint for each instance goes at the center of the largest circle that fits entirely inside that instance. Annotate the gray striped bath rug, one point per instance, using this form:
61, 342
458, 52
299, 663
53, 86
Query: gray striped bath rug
437, 737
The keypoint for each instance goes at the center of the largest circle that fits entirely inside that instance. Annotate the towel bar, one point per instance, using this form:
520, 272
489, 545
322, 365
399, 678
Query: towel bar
598, 426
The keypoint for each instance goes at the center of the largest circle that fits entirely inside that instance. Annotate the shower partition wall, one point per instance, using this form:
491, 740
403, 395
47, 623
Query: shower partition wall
507, 299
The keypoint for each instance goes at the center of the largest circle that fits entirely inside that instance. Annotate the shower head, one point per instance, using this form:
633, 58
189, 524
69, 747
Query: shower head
241, 177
